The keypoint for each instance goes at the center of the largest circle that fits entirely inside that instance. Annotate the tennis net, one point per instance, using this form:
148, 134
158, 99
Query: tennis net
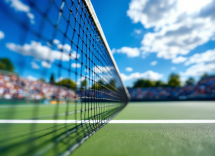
59, 82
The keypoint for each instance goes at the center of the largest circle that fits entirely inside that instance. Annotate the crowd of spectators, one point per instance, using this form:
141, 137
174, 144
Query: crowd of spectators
14, 87
204, 88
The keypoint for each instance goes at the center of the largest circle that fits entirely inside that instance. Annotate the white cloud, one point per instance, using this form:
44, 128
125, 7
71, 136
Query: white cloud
179, 25
113, 50
1, 35
31, 78
137, 31
38, 51
82, 79
207, 56
46, 64
19, 6
130, 52
191, 6
100, 69
153, 63
199, 69
146, 75
173, 68
203, 63
55, 41
156, 13
129, 69
76, 65
34, 65
59, 79
179, 59
74, 55
213, 38
66, 48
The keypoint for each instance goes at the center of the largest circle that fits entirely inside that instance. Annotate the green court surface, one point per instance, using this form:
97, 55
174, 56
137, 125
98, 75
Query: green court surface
156, 139
168, 110
113, 139
48, 111
49, 138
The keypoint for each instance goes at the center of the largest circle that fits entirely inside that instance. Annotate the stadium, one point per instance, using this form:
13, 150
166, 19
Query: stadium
131, 77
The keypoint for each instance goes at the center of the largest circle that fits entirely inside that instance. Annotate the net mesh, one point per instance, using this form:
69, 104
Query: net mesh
58, 81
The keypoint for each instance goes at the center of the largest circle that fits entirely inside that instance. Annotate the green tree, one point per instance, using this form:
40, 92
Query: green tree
141, 83
67, 83
190, 81
174, 80
159, 84
84, 83
111, 85
52, 79
204, 75
6, 64
42, 80
98, 85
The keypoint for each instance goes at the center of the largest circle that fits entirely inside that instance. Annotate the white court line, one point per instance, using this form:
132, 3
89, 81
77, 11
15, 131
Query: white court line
162, 121
112, 121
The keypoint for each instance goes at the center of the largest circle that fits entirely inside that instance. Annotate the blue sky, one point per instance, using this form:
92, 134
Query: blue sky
149, 38
159, 37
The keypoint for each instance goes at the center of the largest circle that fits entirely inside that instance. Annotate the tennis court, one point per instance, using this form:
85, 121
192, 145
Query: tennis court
116, 138
156, 139
42, 137
62, 93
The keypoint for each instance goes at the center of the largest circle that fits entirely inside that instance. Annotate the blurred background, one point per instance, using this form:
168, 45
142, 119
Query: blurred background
164, 49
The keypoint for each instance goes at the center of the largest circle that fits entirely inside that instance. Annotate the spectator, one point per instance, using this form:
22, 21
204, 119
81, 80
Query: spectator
206, 86
13, 87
